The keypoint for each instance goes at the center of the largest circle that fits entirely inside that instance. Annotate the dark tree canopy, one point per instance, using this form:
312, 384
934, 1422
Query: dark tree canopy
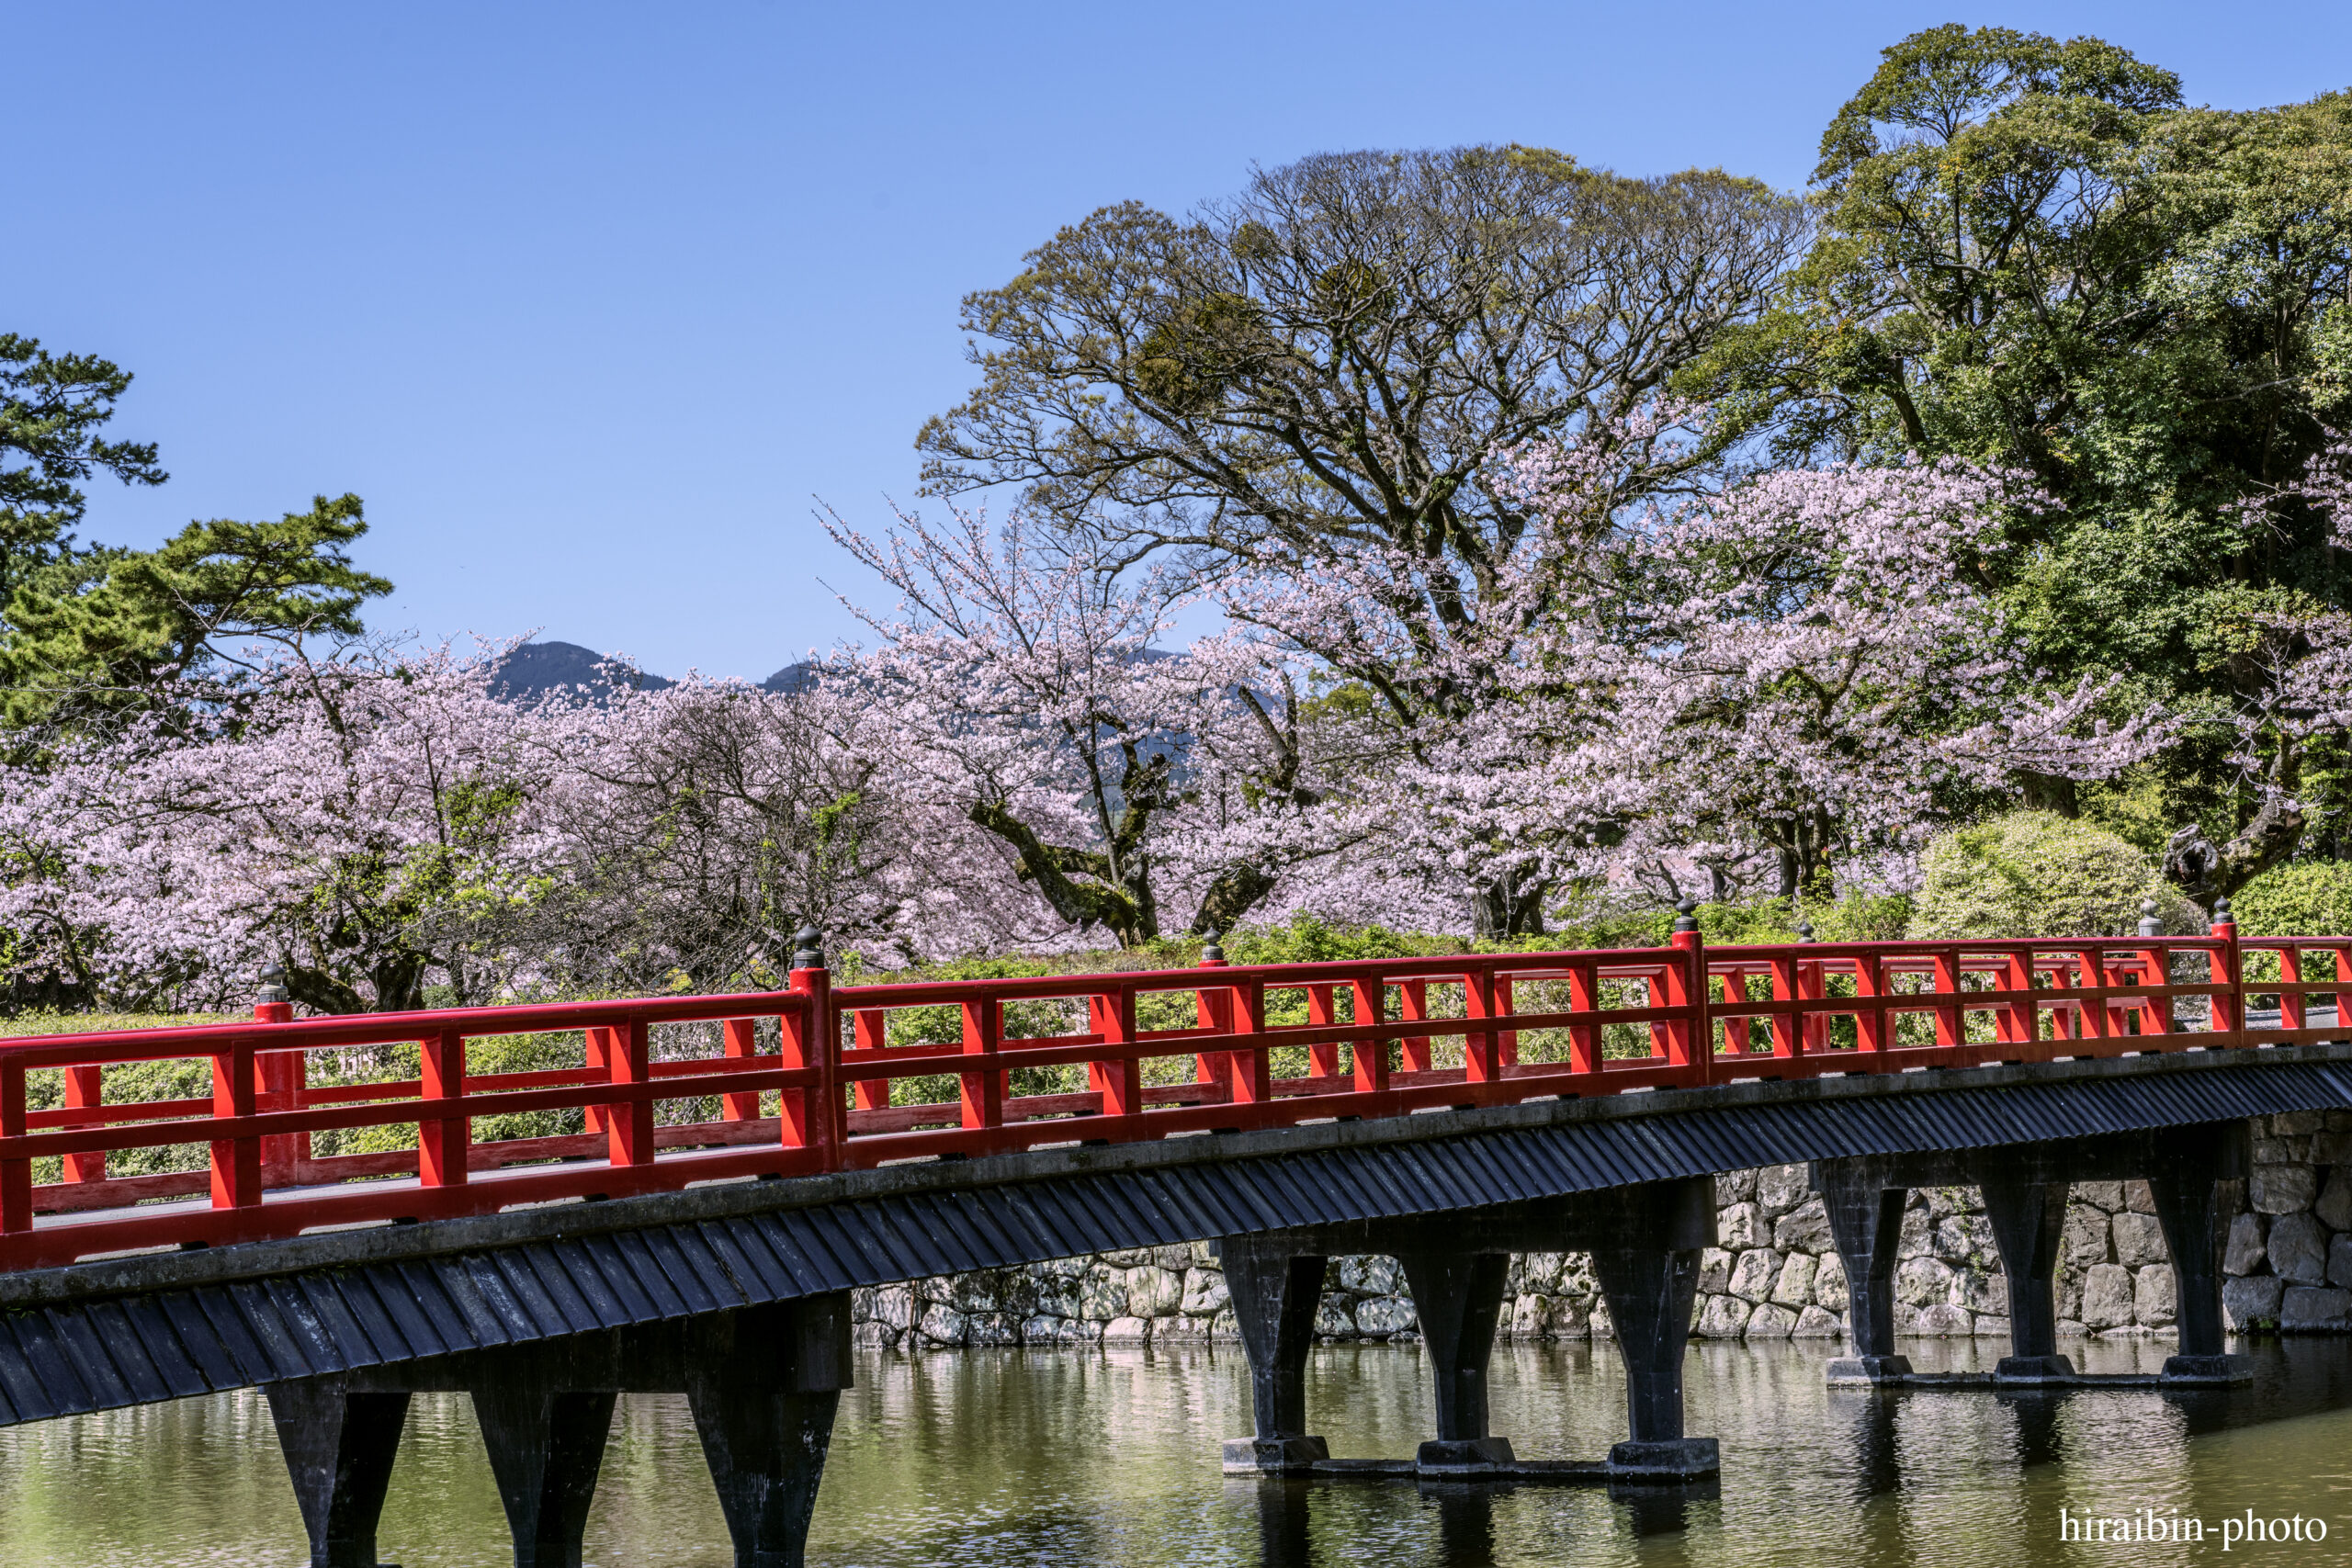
52, 410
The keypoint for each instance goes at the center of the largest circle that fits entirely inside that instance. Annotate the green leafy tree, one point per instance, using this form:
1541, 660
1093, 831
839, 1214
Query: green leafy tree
52, 410
116, 640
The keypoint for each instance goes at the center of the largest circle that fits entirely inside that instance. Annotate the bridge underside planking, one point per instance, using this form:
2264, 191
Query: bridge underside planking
102, 1335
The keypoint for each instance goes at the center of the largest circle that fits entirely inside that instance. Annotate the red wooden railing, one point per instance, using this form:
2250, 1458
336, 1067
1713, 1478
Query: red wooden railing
1524, 1026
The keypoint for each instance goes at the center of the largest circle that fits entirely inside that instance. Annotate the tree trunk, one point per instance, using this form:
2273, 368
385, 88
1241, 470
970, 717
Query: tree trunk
2204, 873
2046, 792
1508, 907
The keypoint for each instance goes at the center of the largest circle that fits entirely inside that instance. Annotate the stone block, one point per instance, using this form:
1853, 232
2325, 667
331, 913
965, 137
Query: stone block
1373, 1276
2139, 1240
2107, 1195
1715, 1270
1126, 1330
1981, 1289
872, 1336
2298, 1123
1770, 1322
1818, 1323
2155, 1303
1538, 1272
2107, 1296
1153, 1291
1571, 1317
1739, 1227
1205, 1292
1943, 1202
1176, 1258
2339, 1260
2272, 1151
2334, 1205
1795, 1287
1721, 1317
1917, 1239
1804, 1229
1945, 1321
1752, 1276
2252, 1301
2312, 1306
1922, 1283
2282, 1188
1734, 1187
1390, 1314
941, 1325
2067, 1289
1829, 1283
995, 1329
1781, 1188
1180, 1329
1102, 1294
895, 1305
2137, 1198
1991, 1326
1335, 1318
1966, 1238
2332, 1148
1126, 1258
2084, 1241
2298, 1249
2249, 1245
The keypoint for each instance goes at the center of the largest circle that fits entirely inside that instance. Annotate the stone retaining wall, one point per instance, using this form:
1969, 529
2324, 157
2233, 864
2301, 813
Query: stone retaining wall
1775, 1274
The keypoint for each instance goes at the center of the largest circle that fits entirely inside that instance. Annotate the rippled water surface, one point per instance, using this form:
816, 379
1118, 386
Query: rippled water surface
1093, 1457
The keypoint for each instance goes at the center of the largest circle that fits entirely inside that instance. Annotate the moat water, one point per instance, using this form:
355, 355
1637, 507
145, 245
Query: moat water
1076, 1456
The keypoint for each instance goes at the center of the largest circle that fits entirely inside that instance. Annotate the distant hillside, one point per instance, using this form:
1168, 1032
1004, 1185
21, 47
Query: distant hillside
538, 668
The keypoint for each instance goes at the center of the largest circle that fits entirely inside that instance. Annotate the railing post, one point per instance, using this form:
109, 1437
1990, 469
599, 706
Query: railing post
1254, 1074
869, 1034
1322, 1008
2155, 962
1693, 1040
16, 1174
284, 1076
739, 1042
1870, 989
1213, 1007
2229, 1003
600, 1048
813, 1118
236, 1162
443, 1141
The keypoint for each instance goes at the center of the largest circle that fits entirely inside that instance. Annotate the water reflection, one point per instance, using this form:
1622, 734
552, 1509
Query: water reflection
1110, 1458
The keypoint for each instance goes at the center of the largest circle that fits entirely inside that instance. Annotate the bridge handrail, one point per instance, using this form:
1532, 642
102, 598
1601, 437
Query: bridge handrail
1380, 1037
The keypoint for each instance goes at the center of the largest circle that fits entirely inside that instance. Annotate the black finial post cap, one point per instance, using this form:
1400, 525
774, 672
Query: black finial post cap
2220, 909
272, 986
1685, 913
1805, 931
1211, 953
809, 944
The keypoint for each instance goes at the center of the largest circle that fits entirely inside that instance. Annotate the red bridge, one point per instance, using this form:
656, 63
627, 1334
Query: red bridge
821, 1138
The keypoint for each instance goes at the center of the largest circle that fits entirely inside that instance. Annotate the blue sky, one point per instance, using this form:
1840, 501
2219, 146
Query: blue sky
589, 301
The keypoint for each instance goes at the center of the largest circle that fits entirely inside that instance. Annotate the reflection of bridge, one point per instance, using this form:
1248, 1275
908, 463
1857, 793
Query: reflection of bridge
1446, 1111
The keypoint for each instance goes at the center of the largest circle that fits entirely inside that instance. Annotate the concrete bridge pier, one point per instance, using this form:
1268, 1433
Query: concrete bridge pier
763, 1384
1275, 1290
339, 1441
2190, 1171
1644, 1242
1458, 1297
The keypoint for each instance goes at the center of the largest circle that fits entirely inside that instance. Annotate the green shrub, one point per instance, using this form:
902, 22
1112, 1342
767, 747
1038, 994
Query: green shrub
2307, 898
2033, 874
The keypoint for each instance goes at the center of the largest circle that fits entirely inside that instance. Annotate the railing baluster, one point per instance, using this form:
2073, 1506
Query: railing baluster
1870, 991
2290, 1003
1787, 1035
83, 1087
235, 1162
1413, 1007
1951, 1027
630, 1135
872, 1030
1322, 1009
1506, 1040
444, 1142
1735, 1030
739, 1041
1122, 1075
600, 1049
1369, 1058
1584, 996
983, 1093
1212, 1006
1481, 1053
